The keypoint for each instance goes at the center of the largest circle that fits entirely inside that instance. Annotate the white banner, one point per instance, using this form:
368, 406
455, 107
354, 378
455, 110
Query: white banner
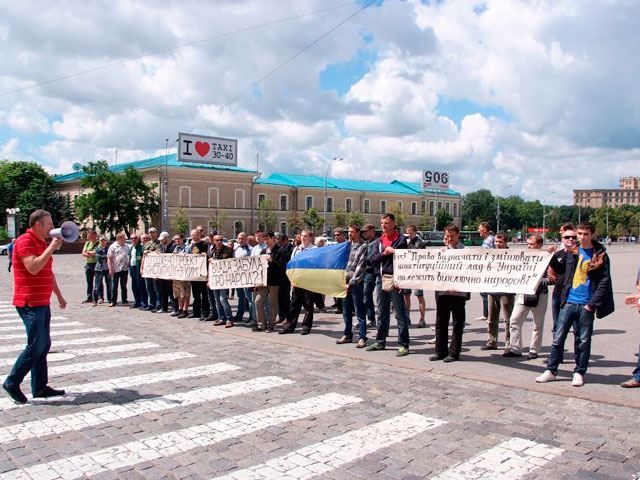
471, 269
175, 266
204, 149
238, 272
431, 179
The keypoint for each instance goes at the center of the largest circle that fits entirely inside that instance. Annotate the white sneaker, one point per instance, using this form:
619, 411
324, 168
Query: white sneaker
578, 380
431, 341
547, 376
481, 318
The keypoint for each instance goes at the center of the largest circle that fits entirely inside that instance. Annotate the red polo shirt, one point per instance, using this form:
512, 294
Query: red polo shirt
31, 290
387, 241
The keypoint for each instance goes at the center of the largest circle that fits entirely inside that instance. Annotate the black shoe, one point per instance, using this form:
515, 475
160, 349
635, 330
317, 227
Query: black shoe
183, 315
285, 331
153, 310
305, 331
532, 356
176, 313
257, 329
47, 392
88, 300
15, 393
134, 306
450, 358
436, 357
489, 346
510, 353
193, 315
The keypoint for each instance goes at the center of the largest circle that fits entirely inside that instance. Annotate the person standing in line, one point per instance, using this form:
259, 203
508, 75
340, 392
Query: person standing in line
371, 276
164, 286
276, 270
181, 288
450, 304
137, 282
33, 284
221, 296
586, 292
284, 292
414, 241
118, 261
488, 241
89, 253
634, 381
245, 296
10, 253
101, 272
260, 244
338, 236
203, 309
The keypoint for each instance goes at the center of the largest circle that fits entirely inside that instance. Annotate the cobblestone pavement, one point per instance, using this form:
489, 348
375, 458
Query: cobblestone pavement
149, 396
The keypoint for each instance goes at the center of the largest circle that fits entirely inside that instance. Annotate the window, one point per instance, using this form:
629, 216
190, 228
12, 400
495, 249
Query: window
239, 198
261, 198
399, 206
367, 206
214, 197
238, 226
439, 205
284, 201
431, 208
383, 206
447, 207
455, 210
308, 202
423, 207
348, 204
185, 196
329, 204
414, 208
283, 227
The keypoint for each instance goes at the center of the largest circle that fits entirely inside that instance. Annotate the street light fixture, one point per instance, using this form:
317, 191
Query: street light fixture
326, 177
498, 210
12, 217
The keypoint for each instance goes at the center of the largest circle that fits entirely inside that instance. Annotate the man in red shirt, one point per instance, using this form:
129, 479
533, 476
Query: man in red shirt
34, 281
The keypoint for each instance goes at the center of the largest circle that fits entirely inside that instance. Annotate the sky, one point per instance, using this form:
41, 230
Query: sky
530, 98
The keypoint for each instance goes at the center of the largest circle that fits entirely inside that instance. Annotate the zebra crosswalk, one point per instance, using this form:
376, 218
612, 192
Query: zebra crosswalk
194, 386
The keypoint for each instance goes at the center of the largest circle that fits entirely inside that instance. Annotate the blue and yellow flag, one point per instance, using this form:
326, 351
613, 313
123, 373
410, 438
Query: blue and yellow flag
321, 270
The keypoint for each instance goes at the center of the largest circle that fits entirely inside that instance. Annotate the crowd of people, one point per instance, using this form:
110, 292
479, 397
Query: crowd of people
579, 273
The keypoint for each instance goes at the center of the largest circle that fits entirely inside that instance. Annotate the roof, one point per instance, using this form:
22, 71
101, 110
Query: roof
314, 181
155, 162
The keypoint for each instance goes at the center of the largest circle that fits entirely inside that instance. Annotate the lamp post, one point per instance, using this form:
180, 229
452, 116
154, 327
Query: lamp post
326, 178
498, 210
254, 179
13, 226
544, 217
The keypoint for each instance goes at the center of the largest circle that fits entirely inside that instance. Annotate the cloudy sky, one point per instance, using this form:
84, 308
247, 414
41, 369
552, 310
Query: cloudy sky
522, 97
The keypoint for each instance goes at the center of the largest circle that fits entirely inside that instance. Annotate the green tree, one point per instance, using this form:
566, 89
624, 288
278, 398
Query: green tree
312, 220
357, 218
479, 206
443, 219
400, 219
426, 222
217, 219
180, 222
267, 218
28, 186
340, 218
117, 201
295, 222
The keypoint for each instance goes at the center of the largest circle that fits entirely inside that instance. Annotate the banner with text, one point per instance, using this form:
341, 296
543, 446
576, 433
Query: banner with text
175, 266
471, 269
238, 272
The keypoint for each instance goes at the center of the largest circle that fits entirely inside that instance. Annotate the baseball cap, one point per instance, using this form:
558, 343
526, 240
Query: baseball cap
153, 229
164, 235
102, 237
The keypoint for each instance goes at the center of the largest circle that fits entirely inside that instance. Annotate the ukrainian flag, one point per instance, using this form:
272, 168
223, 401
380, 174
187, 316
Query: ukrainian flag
321, 270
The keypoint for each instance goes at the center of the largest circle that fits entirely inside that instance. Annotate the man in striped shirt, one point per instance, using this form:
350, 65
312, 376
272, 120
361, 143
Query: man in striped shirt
34, 281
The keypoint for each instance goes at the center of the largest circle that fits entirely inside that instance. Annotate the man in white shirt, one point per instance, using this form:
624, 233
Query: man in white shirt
118, 261
244, 294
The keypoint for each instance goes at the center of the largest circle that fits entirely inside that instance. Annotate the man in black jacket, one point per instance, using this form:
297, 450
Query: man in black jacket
586, 292
383, 249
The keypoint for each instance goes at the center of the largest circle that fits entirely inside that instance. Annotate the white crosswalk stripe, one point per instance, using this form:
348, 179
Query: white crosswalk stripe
330, 454
55, 333
179, 441
511, 460
98, 416
113, 384
68, 354
16, 320
117, 362
18, 347
53, 326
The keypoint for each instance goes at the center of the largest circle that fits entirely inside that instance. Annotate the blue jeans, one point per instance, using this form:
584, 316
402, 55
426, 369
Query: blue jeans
151, 292
582, 321
222, 304
368, 288
98, 287
244, 295
385, 313
354, 301
138, 287
636, 372
37, 323
485, 305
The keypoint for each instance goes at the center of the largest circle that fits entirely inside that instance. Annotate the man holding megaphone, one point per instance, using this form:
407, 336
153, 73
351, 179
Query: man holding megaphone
34, 281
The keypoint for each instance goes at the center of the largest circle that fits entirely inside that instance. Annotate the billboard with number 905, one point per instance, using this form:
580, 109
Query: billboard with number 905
431, 179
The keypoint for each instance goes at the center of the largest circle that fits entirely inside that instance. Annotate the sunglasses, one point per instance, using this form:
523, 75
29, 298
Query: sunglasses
570, 237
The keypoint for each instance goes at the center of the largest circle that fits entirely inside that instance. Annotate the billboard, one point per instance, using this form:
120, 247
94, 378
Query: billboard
431, 179
204, 149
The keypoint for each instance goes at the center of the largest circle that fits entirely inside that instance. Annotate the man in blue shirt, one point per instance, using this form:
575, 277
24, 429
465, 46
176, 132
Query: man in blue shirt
586, 292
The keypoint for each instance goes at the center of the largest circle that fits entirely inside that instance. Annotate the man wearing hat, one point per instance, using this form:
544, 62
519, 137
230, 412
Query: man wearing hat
152, 245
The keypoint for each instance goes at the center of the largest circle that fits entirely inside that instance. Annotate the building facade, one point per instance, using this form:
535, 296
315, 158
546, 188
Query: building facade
228, 199
627, 194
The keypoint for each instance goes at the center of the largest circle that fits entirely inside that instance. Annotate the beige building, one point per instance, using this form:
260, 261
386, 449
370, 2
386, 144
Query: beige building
627, 194
226, 198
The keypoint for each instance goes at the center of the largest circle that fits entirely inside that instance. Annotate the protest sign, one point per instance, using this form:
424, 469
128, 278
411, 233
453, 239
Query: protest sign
238, 272
175, 266
471, 269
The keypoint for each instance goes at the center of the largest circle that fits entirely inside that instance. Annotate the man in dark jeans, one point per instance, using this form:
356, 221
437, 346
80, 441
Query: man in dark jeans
370, 276
152, 245
199, 290
137, 282
89, 253
34, 281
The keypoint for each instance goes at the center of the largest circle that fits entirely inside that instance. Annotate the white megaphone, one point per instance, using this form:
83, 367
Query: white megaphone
68, 231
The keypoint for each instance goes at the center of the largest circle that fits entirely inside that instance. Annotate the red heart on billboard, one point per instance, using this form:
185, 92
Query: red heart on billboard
202, 148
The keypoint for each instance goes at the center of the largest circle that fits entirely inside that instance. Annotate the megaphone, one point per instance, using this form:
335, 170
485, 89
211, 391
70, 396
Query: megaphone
68, 231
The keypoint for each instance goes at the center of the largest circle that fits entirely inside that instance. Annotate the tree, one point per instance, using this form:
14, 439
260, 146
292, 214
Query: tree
357, 218
117, 202
312, 219
340, 218
399, 216
267, 218
479, 206
28, 186
181, 222
295, 222
217, 218
426, 222
443, 219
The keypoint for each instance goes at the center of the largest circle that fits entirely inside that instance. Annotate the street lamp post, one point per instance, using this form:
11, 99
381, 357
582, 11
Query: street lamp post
544, 217
498, 210
254, 179
13, 225
326, 178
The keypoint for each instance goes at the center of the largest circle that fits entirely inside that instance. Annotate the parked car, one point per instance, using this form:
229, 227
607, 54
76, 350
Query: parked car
4, 249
